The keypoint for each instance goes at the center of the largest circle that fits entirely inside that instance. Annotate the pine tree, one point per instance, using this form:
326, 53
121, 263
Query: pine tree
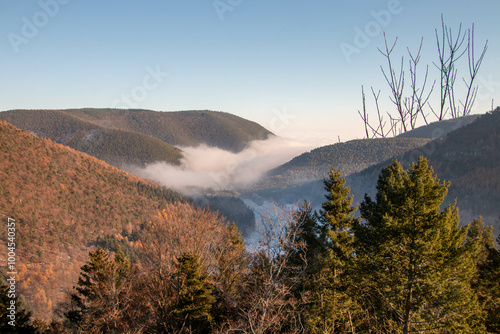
102, 294
20, 322
327, 251
337, 215
195, 296
310, 241
331, 307
486, 279
416, 265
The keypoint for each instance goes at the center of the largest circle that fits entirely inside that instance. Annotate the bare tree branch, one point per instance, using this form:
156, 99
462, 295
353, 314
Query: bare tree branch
409, 108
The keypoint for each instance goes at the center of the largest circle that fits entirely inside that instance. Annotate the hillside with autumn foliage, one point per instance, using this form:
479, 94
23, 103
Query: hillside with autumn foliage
99, 250
62, 201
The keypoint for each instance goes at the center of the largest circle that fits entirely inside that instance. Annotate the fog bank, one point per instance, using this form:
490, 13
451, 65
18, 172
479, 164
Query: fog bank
211, 167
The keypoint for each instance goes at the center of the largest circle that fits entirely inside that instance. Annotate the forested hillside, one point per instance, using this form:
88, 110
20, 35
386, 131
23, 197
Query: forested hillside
405, 265
352, 156
62, 201
231, 207
121, 148
468, 157
116, 147
440, 128
182, 128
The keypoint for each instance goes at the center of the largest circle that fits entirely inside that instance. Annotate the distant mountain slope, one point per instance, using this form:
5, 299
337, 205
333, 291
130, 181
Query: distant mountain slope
352, 156
181, 128
469, 157
62, 200
439, 129
116, 147
119, 148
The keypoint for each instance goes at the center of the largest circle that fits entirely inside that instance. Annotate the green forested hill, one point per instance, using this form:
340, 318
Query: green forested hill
116, 147
351, 157
62, 201
468, 157
182, 128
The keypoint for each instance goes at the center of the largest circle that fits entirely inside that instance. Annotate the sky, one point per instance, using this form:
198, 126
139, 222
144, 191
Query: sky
296, 67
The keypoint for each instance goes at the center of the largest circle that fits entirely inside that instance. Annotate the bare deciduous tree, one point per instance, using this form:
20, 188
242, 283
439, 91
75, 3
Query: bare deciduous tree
450, 49
410, 105
179, 229
270, 304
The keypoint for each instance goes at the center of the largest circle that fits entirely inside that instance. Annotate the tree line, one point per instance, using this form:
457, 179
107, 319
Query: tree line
405, 265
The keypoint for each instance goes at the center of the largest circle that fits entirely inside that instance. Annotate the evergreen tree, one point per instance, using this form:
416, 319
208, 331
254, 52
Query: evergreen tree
20, 323
327, 251
486, 279
309, 239
337, 215
331, 308
415, 263
102, 296
195, 296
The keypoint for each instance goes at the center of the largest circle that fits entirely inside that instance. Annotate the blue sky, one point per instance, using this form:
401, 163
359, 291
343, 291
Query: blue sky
279, 63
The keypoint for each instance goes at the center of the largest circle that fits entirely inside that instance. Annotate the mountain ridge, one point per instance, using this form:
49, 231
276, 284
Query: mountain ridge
351, 156
468, 157
114, 146
137, 136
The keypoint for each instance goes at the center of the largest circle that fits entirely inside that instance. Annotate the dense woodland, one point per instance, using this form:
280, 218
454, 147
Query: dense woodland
183, 128
124, 148
63, 200
116, 147
468, 157
404, 265
106, 252
352, 156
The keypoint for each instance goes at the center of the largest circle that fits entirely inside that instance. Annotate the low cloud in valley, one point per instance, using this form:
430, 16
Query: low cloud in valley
211, 167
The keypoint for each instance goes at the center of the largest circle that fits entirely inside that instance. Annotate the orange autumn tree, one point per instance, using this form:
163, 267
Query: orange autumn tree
180, 230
